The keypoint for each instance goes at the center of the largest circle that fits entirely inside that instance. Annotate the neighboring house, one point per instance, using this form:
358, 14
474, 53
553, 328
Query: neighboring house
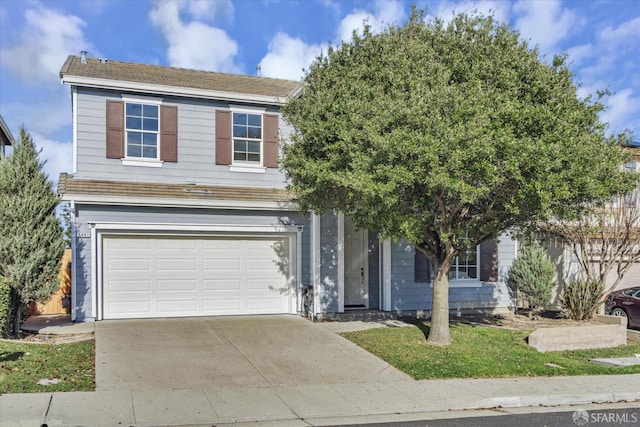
569, 268
179, 208
6, 138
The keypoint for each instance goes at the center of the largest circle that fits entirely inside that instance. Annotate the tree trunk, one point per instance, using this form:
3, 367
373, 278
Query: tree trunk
16, 313
439, 332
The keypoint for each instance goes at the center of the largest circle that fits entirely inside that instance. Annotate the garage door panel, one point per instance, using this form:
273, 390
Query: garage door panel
266, 285
177, 285
130, 286
223, 285
176, 245
128, 309
177, 306
218, 265
264, 305
226, 244
169, 276
128, 264
173, 264
128, 244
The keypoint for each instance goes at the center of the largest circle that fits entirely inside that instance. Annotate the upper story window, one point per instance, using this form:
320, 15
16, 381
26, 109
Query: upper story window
141, 129
247, 138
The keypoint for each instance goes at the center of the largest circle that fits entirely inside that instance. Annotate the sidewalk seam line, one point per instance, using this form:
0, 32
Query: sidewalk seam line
287, 405
46, 412
221, 332
210, 403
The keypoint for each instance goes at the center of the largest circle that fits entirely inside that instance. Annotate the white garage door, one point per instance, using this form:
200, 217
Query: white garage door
173, 276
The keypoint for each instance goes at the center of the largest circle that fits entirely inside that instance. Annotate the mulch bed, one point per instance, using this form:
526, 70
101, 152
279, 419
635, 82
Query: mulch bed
35, 338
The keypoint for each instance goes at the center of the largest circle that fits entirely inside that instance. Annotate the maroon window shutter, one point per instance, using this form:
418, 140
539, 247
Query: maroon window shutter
115, 129
223, 137
169, 133
489, 261
270, 122
421, 267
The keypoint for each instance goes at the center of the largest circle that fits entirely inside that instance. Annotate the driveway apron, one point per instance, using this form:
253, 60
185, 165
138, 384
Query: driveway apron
196, 353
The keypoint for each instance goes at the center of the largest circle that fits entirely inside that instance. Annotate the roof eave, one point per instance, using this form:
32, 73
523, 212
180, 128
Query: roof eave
158, 89
179, 202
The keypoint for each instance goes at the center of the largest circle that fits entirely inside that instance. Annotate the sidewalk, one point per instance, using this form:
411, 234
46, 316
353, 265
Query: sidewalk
332, 404
313, 404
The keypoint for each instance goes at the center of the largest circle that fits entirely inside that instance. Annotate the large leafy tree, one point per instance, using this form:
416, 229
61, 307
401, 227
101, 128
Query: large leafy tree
445, 134
31, 242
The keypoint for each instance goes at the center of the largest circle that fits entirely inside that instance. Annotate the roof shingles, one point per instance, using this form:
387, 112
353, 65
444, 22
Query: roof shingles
176, 77
68, 185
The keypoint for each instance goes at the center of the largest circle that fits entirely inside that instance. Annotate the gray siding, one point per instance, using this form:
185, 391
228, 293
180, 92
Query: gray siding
86, 214
407, 294
196, 146
328, 286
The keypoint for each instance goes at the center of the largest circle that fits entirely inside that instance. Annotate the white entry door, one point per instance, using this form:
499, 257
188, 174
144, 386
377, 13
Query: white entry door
185, 276
355, 265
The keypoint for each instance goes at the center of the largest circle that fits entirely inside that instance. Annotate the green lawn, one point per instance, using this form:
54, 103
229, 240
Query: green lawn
23, 365
480, 351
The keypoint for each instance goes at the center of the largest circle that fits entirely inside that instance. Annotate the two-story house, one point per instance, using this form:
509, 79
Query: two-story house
180, 209
6, 138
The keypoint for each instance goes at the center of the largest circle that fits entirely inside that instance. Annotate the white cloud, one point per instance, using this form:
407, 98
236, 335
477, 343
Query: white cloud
195, 44
499, 9
621, 106
287, 57
58, 155
207, 9
40, 111
386, 12
545, 23
578, 54
47, 38
622, 33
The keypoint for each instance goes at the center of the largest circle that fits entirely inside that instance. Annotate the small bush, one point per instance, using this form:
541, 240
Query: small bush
5, 308
581, 299
533, 274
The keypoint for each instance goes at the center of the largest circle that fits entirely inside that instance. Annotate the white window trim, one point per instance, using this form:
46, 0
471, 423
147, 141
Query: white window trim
465, 283
242, 166
139, 99
135, 161
74, 112
142, 161
245, 167
386, 275
477, 269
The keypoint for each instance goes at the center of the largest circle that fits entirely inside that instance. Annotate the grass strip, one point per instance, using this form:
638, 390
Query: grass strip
64, 367
481, 352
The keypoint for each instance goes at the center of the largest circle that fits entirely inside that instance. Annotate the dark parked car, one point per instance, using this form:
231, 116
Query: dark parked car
625, 303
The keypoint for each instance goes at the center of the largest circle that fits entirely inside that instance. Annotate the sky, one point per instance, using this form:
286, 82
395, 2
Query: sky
281, 37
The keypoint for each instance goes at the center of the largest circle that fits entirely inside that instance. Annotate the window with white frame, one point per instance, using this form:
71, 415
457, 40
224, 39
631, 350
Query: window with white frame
465, 265
141, 128
247, 138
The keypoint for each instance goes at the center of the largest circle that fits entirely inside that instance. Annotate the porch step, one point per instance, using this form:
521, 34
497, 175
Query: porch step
364, 316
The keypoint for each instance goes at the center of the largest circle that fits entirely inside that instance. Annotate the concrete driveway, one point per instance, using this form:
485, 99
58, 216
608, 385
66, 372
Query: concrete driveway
196, 353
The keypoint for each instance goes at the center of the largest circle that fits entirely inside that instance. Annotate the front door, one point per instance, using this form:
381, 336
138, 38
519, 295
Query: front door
355, 263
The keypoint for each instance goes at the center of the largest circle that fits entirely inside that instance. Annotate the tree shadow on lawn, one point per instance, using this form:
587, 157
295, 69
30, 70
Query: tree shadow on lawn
425, 329
11, 357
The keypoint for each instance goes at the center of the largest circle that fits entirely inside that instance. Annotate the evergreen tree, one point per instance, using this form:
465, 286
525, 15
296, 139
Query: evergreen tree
31, 239
533, 274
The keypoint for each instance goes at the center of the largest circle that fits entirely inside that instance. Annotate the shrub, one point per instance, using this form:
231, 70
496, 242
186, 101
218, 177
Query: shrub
581, 299
5, 308
533, 274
